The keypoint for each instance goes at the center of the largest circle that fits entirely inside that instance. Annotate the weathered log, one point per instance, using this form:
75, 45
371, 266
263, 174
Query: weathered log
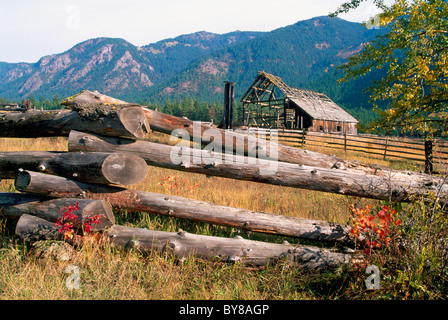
31, 228
203, 133
226, 140
108, 119
47, 184
183, 245
84, 99
53, 209
140, 201
10, 199
237, 249
108, 168
398, 186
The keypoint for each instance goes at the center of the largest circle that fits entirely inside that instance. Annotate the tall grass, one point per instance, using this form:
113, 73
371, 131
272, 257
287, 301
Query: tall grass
106, 273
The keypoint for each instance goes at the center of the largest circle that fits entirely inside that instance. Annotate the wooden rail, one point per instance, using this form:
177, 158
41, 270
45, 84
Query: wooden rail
395, 148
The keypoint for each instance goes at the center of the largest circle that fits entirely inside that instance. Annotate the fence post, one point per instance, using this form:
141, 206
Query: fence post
428, 156
385, 149
228, 104
303, 137
345, 141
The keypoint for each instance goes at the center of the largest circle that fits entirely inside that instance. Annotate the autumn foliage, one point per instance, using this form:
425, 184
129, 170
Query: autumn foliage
68, 221
374, 228
176, 185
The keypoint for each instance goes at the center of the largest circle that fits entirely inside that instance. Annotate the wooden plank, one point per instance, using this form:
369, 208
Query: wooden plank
389, 144
374, 153
379, 149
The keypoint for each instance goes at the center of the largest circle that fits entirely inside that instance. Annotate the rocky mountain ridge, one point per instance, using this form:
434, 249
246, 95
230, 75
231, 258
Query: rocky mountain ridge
305, 54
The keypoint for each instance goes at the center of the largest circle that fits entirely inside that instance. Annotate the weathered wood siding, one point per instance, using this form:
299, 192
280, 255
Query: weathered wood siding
333, 127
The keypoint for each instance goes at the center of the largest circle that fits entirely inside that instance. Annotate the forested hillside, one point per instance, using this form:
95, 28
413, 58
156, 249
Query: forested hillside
304, 55
185, 75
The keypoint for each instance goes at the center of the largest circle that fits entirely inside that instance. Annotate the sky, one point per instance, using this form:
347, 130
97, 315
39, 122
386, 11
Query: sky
31, 29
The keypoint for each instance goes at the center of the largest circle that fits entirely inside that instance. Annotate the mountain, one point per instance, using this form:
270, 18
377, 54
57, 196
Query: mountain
304, 55
173, 55
103, 63
112, 66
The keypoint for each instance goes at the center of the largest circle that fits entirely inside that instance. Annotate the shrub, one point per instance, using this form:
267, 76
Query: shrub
68, 221
409, 245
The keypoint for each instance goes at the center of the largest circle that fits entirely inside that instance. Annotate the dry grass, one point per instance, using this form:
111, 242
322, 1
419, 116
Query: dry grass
110, 274
107, 274
31, 144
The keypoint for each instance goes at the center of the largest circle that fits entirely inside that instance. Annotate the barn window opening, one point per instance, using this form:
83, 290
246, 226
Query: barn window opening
339, 128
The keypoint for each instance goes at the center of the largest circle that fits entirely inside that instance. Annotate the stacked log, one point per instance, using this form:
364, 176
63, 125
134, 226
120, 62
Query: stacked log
37, 210
184, 245
93, 111
109, 119
94, 167
180, 207
50, 210
398, 186
107, 153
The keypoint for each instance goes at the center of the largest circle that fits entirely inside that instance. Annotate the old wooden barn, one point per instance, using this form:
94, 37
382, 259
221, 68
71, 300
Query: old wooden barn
271, 103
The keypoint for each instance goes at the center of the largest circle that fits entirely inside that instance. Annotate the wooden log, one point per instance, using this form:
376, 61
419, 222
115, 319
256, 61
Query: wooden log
241, 143
31, 228
108, 168
9, 199
226, 140
140, 201
46, 184
84, 99
53, 209
184, 245
399, 186
107, 119
237, 249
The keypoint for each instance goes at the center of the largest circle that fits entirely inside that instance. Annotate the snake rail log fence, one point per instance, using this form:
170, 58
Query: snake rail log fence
107, 152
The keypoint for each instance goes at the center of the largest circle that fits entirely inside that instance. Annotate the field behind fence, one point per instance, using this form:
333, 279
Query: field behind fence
381, 147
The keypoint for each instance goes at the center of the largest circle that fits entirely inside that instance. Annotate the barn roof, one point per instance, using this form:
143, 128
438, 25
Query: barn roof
317, 105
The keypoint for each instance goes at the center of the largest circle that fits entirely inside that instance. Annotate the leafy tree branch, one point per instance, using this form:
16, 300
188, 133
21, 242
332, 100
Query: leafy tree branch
414, 53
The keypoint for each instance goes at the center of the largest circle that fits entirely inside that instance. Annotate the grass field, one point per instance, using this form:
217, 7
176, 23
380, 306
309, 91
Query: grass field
106, 273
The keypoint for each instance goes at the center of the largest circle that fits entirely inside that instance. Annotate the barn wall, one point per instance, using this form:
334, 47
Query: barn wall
333, 127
